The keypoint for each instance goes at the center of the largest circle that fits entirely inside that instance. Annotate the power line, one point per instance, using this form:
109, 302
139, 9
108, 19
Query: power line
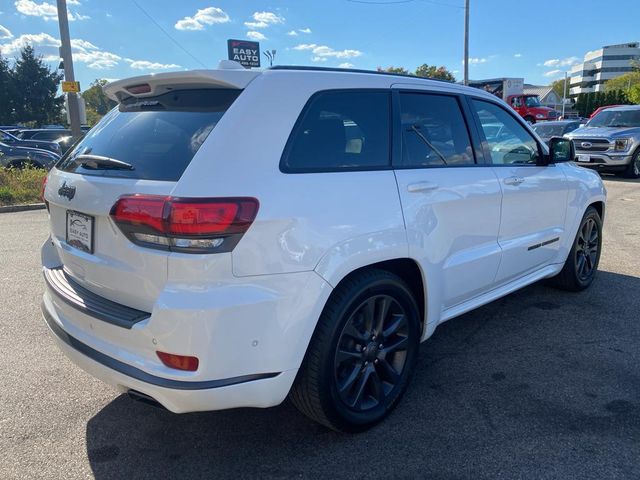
395, 2
168, 35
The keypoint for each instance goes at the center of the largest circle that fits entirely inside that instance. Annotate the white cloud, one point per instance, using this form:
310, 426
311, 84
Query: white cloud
517, 55
97, 59
561, 62
304, 30
319, 59
292, 33
34, 39
205, 16
325, 51
47, 46
256, 24
256, 35
147, 65
346, 65
73, 2
45, 10
5, 33
477, 61
553, 73
268, 18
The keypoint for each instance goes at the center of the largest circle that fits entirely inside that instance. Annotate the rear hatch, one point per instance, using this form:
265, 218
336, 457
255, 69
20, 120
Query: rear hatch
141, 147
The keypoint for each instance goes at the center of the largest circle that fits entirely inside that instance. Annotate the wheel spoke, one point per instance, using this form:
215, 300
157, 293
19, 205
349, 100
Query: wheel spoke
388, 372
369, 311
361, 385
398, 321
400, 344
383, 305
350, 380
352, 332
376, 386
581, 264
344, 355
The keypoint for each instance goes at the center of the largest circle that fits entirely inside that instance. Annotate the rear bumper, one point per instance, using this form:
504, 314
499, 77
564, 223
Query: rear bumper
250, 337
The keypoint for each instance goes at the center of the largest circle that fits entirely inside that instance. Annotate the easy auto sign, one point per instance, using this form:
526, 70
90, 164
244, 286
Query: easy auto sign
244, 52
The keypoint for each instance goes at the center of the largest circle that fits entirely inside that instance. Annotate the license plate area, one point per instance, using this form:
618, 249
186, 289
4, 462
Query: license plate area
80, 231
584, 158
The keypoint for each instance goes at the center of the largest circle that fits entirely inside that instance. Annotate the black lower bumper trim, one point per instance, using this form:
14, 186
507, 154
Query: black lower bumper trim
141, 375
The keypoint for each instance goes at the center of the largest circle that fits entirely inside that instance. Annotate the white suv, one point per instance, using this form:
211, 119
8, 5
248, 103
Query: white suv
227, 238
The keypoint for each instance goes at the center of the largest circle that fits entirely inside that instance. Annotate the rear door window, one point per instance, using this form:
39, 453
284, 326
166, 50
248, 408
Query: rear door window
156, 136
341, 130
434, 132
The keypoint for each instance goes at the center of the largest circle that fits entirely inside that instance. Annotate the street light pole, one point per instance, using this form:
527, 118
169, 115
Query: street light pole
466, 42
564, 94
67, 60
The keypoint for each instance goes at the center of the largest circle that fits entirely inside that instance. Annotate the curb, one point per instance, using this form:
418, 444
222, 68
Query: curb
22, 208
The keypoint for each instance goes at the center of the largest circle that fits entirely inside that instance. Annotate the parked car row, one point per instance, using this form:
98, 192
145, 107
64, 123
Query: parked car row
608, 142
34, 147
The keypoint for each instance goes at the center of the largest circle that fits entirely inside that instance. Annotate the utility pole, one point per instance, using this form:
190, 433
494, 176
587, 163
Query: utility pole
67, 60
564, 94
466, 42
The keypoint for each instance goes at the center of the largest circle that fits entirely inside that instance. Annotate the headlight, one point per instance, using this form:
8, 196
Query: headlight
539, 115
621, 144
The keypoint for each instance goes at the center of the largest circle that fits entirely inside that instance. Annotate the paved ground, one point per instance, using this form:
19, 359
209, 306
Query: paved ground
541, 384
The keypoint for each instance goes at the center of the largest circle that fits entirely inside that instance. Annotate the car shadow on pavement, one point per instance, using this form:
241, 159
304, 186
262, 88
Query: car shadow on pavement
542, 383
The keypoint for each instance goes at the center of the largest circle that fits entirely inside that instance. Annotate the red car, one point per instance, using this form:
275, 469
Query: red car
599, 109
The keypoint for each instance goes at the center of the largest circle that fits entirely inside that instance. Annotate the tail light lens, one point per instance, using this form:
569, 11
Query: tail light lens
190, 225
179, 362
42, 189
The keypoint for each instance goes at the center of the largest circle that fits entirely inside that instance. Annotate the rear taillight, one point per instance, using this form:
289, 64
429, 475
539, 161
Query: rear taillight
179, 362
191, 225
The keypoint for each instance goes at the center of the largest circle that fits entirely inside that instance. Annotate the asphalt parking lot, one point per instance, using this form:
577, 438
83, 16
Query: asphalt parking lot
540, 384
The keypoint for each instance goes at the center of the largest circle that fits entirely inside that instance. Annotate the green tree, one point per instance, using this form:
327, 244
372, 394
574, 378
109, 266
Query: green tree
623, 82
36, 85
96, 101
634, 94
398, 70
6, 92
431, 71
558, 87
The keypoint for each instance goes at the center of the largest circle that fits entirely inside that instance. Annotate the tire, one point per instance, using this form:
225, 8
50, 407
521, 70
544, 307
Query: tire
633, 169
581, 266
349, 381
529, 119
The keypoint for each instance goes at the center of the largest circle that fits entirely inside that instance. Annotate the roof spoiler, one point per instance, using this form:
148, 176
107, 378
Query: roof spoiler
227, 76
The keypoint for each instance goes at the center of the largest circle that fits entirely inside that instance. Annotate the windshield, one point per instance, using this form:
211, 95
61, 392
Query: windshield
616, 118
5, 137
549, 130
156, 136
532, 101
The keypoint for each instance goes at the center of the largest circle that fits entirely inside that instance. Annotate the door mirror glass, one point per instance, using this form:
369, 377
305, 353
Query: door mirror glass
561, 150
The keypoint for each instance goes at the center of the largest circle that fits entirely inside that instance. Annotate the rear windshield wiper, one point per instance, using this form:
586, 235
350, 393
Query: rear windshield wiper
97, 162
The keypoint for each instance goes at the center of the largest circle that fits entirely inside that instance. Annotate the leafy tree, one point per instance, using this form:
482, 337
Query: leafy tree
6, 93
623, 82
35, 88
96, 101
634, 94
431, 71
558, 87
398, 70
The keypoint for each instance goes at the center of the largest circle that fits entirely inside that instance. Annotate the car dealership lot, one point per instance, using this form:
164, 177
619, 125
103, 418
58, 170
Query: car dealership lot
542, 384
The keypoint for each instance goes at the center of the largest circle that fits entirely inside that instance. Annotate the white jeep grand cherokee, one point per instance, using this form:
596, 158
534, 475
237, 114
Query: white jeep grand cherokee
226, 238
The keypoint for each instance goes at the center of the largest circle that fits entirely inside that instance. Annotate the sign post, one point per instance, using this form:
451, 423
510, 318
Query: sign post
71, 87
244, 52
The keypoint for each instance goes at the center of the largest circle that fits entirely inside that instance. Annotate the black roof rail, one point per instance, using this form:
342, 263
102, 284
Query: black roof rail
352, 70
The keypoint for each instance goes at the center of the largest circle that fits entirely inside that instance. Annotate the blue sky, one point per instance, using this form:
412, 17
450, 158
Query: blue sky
115, 39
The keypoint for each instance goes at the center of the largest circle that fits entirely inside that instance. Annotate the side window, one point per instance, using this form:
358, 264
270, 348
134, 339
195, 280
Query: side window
341, 130
516, 102
509, 142
434, 132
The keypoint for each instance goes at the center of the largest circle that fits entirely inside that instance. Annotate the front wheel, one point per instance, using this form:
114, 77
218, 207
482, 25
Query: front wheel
582, 263
633, 170
362, 354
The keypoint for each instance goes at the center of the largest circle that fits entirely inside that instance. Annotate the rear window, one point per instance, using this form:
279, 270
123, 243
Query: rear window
340, 130
156, 136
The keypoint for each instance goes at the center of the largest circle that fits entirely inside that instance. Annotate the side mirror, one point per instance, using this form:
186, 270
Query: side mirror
561, 150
